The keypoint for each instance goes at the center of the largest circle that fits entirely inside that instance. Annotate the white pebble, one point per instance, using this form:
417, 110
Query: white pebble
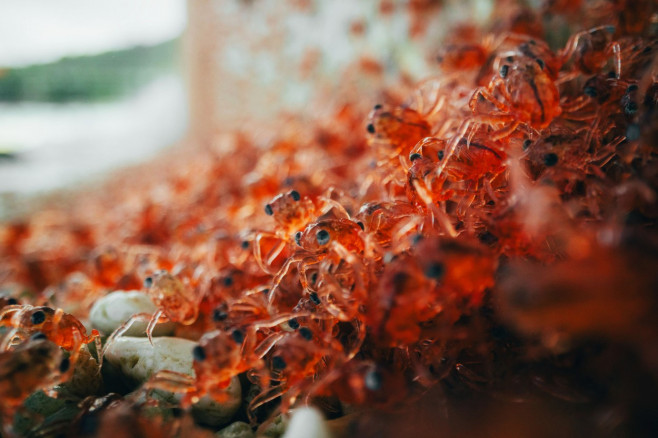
136, 359
307, 423
238, 429
115, 308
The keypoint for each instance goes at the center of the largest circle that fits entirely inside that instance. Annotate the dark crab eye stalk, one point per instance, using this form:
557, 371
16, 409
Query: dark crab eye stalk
435, 271
278, 363
630, 108
315, 298
38, 317
373, 380
199, 353
237, 336
550, 159
64, 365
631, 88
306, 333
219, 315
590, 91
322, 237
295, 195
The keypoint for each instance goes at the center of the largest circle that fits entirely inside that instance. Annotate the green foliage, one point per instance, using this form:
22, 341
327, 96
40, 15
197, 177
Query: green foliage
88, 78
43, 413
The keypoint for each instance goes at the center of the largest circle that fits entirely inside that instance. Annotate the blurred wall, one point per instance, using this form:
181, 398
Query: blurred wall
248, 60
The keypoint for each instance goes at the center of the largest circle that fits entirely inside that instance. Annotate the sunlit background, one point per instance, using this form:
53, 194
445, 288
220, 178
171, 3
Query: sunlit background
87, 86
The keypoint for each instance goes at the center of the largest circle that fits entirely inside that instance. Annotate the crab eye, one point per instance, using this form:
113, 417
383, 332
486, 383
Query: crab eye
38, 317
237, 336
630, 108
219, 315
245, 244
371, 128
64, 365
440, 155
503, 71
228, 281
298, 238
488, 238
295, 195
148, 282
199, 353
268, 210
590, 91
373, 380
633, 132
293, 323
414, 157
306, 333
315, 298
550, 159
322, 236
435, 271
278, 363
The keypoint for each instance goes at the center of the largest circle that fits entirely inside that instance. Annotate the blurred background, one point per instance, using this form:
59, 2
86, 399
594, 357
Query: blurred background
87, 86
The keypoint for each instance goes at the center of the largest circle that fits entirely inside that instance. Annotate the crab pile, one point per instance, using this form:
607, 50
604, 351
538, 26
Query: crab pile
479, 237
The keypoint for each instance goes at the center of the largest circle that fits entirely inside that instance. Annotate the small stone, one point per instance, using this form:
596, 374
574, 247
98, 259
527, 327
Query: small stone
238, 429
307, 423
212, 413
136, 360
115, 308
49, 410
273, 428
